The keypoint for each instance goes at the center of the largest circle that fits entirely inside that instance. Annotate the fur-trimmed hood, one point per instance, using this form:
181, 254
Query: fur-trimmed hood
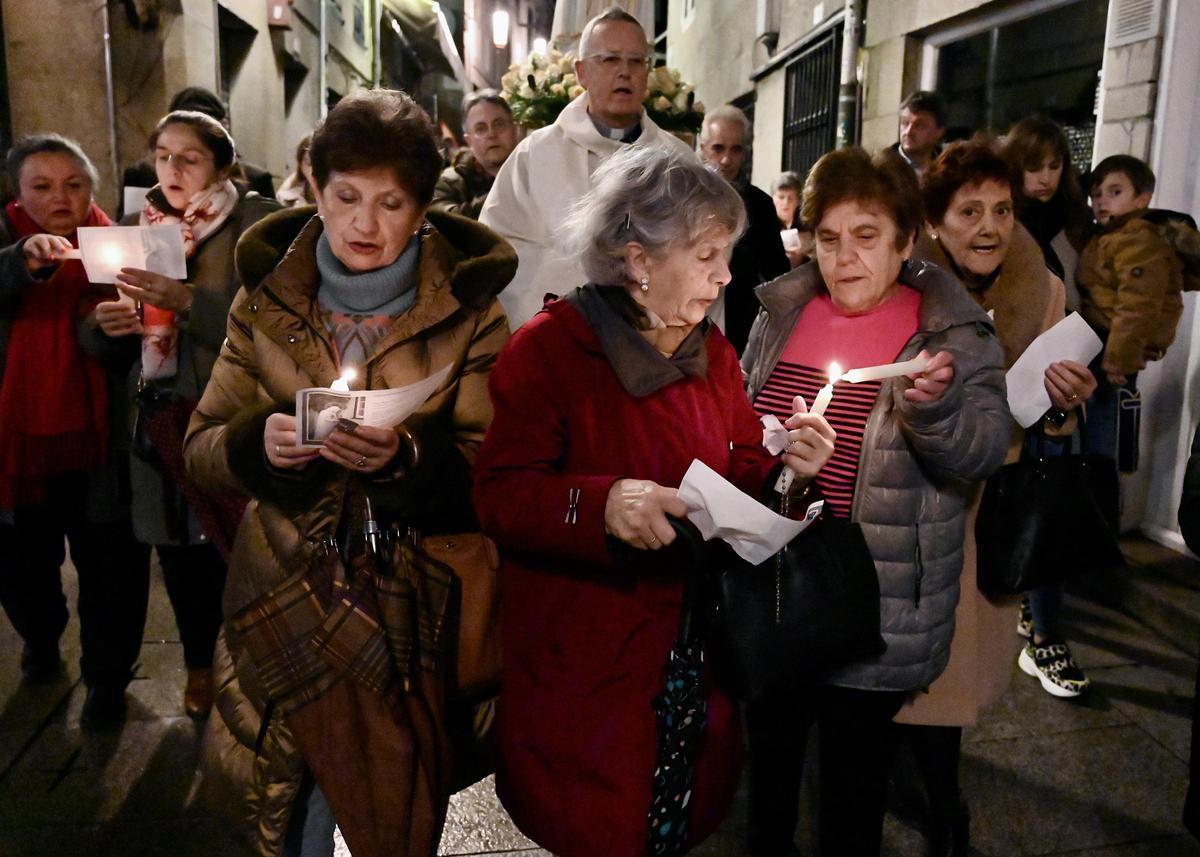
480, 262
1020, 294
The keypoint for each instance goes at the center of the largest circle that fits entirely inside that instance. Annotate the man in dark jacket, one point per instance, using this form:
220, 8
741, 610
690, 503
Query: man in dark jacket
758, 255
491, 135
922, 126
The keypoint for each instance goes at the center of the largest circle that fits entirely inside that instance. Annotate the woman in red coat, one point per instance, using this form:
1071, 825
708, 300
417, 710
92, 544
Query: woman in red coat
601, 403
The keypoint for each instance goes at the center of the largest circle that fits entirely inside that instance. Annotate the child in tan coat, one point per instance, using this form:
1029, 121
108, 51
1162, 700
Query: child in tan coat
1130, 282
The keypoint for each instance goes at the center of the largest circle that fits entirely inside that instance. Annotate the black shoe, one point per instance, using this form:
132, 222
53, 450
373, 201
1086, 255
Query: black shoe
948, 836
104, 706
40, 664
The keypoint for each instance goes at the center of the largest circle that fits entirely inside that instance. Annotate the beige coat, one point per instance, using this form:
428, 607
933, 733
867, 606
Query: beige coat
1027, 300
277, 345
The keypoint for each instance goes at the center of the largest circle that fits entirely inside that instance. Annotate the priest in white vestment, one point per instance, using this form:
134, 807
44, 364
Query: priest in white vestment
552, 167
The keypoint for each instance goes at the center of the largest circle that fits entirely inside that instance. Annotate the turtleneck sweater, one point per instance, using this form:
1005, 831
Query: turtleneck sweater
359, 306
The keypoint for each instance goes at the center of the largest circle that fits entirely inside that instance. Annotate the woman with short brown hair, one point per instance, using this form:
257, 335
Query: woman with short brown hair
908, 449
375, 282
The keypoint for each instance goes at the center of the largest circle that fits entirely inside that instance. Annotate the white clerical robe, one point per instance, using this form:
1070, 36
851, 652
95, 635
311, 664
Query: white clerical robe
543, 177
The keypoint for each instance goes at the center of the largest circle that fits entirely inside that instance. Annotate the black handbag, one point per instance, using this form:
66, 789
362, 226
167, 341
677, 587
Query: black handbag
1044, 517
777, 627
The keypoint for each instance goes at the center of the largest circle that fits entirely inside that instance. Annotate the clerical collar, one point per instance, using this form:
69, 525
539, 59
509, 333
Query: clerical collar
621, 135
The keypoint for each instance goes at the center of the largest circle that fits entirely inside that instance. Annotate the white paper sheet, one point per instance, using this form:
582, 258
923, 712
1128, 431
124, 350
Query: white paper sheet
719, 509
134, 199
105, 250
1070, 339
318, 409
775, 435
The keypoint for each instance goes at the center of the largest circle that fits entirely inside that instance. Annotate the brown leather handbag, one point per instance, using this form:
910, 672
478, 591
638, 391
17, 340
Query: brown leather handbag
473, 622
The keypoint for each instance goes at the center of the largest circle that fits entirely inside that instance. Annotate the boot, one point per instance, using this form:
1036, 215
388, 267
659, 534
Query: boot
198, 696
948, 835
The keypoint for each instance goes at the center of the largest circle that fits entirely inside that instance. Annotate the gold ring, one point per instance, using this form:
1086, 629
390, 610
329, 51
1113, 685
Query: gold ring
1072, 397
277, 449
362, 461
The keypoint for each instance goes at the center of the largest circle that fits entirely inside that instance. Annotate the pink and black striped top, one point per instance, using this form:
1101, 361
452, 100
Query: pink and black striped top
824, 334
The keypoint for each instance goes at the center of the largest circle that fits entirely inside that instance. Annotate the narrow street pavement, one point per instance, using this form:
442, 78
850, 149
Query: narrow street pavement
1101, 777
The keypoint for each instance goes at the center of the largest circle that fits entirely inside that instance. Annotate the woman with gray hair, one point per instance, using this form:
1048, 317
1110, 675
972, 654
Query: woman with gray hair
58, 471
601, 403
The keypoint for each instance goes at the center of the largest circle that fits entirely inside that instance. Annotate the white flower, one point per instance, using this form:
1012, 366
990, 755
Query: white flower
557, 89
575, 91
526, 70
526, 91
539, 77
662, 104
569, 80
676, 76
554, 74
663, 81
510, 80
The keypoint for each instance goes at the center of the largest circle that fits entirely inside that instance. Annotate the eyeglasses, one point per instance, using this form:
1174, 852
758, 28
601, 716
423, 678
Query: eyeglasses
182, 160
622, 62
498, 125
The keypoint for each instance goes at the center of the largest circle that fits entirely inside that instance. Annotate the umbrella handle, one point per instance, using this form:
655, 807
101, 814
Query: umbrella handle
691, 544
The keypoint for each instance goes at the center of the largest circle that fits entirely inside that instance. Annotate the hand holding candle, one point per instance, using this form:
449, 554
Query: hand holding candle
929, 384
810, 445
42, 251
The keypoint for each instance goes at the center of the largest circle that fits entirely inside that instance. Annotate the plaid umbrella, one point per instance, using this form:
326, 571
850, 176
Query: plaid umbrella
680, 709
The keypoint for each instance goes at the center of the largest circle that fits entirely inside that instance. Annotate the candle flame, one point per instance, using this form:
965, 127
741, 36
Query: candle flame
110, 256
342, 384
835, 373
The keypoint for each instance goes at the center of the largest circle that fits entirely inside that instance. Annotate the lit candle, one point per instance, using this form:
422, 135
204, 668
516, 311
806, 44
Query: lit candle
342, 384
891, 370
821, 402
111, 256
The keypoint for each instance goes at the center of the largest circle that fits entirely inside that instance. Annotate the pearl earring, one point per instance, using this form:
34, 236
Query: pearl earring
645, 282
933, 235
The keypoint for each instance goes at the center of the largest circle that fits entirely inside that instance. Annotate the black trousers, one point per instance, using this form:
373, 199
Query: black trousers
114, 581
195, 579
855, 740
937, 750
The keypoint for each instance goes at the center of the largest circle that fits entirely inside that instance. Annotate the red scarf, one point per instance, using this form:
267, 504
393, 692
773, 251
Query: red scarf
53, 397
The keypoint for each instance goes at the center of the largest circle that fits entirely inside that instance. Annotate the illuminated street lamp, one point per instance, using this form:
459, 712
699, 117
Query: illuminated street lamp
500, 28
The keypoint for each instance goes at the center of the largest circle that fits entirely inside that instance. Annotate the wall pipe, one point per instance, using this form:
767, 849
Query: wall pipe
111, 97
848, 91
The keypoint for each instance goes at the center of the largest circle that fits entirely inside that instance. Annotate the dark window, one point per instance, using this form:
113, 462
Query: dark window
810, 102
1047, 64
234, 39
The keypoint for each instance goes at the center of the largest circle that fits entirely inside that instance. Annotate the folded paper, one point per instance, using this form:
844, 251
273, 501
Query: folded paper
1070, 339
719, 509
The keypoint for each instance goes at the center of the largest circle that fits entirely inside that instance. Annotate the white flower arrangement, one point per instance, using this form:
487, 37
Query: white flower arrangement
538, 89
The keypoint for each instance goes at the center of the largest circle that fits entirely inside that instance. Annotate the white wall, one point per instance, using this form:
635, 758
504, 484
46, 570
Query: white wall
1170, 389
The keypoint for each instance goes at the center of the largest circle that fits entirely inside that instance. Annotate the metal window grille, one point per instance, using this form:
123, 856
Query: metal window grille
811, 101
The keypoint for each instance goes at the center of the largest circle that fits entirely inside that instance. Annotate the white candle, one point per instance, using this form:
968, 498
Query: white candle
342, 384
891, 370
821, 402
70, 254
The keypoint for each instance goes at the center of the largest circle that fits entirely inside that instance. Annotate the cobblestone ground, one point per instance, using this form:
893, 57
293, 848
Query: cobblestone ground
1101, 777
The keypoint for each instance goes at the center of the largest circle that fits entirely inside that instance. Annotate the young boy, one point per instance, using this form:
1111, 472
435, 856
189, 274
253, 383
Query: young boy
1130, 282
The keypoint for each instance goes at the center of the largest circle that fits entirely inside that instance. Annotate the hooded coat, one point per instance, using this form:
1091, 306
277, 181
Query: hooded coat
919, 466
277, 345
1027, 300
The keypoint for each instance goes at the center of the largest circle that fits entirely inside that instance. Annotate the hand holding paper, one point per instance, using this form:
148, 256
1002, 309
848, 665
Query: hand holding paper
1070, 339
720, 510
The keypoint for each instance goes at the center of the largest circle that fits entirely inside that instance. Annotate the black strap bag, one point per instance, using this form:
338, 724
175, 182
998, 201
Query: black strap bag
777, 627
1044, 517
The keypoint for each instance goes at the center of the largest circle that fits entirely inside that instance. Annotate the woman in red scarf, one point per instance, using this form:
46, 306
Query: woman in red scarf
58, 475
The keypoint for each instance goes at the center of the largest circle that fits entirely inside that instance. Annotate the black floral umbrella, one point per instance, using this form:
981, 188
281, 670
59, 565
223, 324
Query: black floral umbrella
681, 712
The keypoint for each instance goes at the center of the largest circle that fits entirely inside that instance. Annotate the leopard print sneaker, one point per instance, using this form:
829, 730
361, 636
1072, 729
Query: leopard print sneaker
1051, 664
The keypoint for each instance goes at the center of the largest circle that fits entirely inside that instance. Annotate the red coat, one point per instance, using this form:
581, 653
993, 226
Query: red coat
586, 635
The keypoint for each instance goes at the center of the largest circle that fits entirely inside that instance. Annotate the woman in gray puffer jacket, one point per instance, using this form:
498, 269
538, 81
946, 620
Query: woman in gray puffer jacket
909, 456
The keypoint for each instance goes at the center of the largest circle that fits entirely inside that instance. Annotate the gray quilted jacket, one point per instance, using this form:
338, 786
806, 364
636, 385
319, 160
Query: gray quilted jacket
918, 466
